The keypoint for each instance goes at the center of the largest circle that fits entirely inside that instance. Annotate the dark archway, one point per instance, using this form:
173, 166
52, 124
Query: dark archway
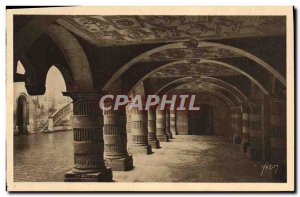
201, 121
22, 115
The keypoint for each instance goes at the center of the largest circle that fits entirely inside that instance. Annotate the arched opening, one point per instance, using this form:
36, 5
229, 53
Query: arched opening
55, 81
201, 121
55, 85
22, 115
20, 68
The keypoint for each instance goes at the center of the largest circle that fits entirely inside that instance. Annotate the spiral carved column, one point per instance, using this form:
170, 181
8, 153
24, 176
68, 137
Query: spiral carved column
89, 163
168, 131
139, 132
161, 125
115, 140
152, 139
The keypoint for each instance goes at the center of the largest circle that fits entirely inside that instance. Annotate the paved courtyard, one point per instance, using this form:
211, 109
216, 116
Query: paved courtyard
46, 157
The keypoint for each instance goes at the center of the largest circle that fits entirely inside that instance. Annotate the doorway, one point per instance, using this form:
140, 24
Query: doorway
201, 121
22, 115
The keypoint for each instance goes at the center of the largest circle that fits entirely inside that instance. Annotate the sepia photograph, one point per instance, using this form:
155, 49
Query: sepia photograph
150, 99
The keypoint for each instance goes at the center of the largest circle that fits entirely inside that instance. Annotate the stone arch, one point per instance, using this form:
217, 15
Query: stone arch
206, 61
191, 82
75, 56
257, 83
237, 99
32, 77
235, 91
243, 97
153, 71
256, 59
183, 79
244, 53
224, 98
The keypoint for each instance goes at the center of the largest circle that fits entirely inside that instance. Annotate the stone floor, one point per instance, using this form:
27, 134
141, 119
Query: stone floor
46, 157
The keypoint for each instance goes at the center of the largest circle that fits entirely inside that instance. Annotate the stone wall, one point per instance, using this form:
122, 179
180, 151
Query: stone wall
221, 119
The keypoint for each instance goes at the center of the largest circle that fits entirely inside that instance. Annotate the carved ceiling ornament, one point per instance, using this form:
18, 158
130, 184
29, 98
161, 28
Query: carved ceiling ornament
94, 24
123, 22
157, 29
194, 69
191, 52
137, 34
197, 85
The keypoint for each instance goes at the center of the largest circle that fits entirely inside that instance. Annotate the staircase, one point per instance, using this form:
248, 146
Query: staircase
55, 119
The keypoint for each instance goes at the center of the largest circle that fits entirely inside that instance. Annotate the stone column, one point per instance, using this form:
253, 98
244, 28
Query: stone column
168, 131
115, 140
161, 125
182, 122
245, 131
255, 149
278, 152
128, 120
232, 125
89, 163
128, 127
139, 132
238, 125
152, 139
173, 122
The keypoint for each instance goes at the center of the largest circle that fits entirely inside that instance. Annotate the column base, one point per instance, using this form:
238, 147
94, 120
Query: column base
154, 144
169, 134
236, 139
105, 176
244, 146
138, 149
162, 138
120, 164
253, 153
173, 132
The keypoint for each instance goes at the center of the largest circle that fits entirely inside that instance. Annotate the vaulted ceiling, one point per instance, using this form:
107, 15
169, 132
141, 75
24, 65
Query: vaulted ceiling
139, 47
126, 30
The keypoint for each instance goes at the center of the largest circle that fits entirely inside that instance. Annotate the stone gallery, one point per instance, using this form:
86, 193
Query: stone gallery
232, 69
